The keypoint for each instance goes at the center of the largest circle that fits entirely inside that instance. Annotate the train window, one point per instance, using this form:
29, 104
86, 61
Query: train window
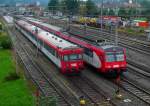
75, 56
110, 57
72, 57
120, 56
88, 52
80, 56
51, 50
114, 56
66, 58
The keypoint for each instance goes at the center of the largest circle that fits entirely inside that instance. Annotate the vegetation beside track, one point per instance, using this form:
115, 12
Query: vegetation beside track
13, 87
132, 31
5, 41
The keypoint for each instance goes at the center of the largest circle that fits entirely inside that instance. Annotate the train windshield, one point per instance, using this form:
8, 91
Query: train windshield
72, 57
120, 56
114, 56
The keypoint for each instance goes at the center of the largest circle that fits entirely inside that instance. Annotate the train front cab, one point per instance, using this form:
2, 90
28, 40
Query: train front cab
115, 62
72, 61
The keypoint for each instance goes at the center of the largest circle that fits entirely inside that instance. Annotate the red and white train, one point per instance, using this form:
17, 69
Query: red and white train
108, 59
64, 54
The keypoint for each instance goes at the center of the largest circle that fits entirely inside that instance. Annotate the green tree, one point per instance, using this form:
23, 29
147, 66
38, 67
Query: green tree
53, 5
111, 12
63, 7
91, 8
122, 12
105, 11
72, 6
132, 12
146, 7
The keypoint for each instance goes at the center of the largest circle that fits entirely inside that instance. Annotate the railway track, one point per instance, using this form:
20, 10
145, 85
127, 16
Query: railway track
92, 92
45, 86
135, 90
141, 69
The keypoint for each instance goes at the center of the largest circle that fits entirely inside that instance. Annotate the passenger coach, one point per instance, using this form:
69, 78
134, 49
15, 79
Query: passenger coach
64, 54
106, 58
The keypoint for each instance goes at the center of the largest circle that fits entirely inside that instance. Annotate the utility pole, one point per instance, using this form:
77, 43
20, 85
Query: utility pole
101, 15
116, 32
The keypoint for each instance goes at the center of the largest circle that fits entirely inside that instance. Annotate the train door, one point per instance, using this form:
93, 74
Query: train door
58, 58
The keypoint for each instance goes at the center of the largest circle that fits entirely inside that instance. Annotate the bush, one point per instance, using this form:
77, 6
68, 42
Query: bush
12, 76
5, 42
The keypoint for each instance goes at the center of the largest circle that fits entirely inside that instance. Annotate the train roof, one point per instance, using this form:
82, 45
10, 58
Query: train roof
55, 40
47, 25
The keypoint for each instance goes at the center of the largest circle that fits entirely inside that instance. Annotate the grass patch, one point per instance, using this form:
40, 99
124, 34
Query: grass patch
13, 88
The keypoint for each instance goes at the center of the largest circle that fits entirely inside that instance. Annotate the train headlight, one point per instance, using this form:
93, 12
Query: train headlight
115, 66
74, 64
108, 66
